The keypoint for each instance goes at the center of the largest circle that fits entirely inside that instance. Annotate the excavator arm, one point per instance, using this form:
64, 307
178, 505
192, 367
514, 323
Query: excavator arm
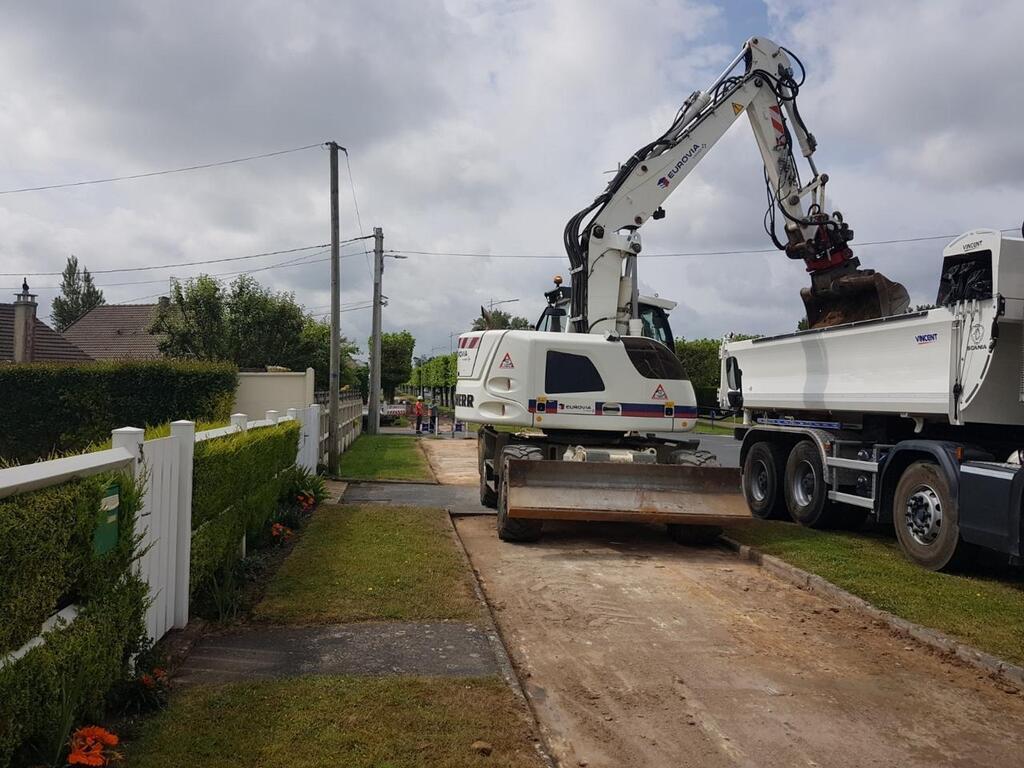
603, 251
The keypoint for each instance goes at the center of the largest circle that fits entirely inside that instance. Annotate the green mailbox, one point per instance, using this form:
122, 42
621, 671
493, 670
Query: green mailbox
105, 538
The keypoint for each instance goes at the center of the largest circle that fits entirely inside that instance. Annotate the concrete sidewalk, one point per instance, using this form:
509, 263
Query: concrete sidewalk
374, 648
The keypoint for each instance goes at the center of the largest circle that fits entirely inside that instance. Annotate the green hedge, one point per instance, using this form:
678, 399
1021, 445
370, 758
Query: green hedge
236, 483
47, 560
53, 407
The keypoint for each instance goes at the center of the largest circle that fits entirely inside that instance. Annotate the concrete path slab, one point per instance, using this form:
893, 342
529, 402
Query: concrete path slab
378, 648
457, 499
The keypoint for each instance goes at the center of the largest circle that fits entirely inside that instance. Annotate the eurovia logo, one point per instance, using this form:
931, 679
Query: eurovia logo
663, 182
926, 338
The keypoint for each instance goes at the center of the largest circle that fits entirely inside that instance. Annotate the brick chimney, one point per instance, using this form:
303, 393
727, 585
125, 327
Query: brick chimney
24, 324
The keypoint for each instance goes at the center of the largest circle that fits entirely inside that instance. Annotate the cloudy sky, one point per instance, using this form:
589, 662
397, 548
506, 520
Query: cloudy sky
480, 127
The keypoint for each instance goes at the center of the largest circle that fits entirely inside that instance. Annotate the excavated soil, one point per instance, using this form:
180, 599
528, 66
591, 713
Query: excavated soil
638, 652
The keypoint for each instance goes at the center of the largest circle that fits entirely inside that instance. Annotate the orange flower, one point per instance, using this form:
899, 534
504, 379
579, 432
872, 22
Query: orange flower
88, 744
147, 680
160, 673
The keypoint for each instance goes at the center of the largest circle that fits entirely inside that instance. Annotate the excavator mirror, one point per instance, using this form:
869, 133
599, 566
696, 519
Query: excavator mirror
733, 374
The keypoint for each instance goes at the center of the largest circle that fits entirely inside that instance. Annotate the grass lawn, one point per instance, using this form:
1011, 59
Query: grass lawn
350, 722
385, 457
374, 562
705, 427
979, 607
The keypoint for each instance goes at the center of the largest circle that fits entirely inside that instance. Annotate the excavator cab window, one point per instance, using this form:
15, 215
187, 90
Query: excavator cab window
552, 319
656, 326
653, 360
965, 278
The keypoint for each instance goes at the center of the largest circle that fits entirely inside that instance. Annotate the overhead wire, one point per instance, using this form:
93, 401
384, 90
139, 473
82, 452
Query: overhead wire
355, 205
149, 174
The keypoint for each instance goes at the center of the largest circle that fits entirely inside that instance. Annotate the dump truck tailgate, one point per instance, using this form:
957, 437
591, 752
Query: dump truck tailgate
657, 493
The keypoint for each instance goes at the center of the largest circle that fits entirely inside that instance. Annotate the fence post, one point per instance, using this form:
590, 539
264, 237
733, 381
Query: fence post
130, 438
240, 420
185, 433
292, 413
271, 416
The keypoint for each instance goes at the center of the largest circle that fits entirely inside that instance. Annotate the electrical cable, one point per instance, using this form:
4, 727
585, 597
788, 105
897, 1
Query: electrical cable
186, 263
150, 174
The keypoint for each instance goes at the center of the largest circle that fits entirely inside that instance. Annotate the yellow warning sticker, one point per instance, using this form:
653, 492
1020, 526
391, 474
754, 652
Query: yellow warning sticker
736, 108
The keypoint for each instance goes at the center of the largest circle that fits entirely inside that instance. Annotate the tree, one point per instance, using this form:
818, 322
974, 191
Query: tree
500, 320
317, 334
78, 295
249, 326
701, 362
194, 323
395, 360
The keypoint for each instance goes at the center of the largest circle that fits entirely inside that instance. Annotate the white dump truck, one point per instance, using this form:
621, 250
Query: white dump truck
916, 418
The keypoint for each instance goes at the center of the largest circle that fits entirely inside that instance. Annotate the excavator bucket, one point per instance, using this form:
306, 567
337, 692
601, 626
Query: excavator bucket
861, 295
627, 492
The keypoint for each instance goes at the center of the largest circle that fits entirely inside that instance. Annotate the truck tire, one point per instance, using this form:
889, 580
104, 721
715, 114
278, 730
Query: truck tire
762, 480
805, 489
694, 535
926, 516
510, 528
488, 495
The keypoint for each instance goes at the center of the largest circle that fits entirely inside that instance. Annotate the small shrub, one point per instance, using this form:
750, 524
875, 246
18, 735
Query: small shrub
47, 560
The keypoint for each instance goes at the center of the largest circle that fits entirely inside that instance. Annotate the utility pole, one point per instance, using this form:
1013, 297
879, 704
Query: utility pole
373, 409
335, 377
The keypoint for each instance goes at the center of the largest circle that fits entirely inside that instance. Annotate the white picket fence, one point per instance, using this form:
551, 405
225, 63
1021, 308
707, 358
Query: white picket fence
164, 521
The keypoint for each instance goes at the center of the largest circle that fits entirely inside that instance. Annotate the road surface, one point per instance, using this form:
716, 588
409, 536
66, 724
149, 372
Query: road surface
638, 652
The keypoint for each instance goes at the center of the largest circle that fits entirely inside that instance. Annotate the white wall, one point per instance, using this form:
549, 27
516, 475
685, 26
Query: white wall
258, 393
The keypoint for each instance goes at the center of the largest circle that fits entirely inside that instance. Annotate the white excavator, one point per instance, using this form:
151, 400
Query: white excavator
606, 398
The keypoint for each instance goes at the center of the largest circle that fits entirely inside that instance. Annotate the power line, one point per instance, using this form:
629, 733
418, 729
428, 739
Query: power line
184, 263
355, 204
298, 262
150, 174
679, 254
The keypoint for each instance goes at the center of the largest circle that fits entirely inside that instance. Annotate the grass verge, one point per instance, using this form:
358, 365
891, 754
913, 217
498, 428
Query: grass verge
356, 722
716, 428
385, 457
367, 563
978, 608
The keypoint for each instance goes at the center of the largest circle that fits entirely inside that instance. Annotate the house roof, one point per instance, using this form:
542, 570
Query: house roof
117, 331
48, 345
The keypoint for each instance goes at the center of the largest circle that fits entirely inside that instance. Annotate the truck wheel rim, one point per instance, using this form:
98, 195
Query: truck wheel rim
804, 483
759, 488
924, 515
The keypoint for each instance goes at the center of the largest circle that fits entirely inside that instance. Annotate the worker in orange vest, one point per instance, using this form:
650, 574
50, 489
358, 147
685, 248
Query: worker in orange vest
420, 410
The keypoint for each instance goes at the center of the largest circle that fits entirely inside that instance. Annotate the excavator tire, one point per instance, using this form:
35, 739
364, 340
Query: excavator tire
698, 458
488, 495
509, 528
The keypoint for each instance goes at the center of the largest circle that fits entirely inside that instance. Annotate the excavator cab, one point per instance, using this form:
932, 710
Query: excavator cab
653, 314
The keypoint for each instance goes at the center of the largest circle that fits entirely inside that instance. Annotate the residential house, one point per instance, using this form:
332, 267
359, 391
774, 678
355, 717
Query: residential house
117, 332
24, 338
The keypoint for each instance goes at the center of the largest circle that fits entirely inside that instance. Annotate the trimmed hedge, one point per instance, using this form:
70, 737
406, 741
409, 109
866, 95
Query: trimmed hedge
64, 408
47, 561
236, 483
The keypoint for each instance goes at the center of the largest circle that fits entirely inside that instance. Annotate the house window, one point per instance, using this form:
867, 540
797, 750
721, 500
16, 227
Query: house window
570, 373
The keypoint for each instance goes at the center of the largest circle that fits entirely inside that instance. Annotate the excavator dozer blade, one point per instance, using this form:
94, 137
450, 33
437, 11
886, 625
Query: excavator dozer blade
863, 295
655, 493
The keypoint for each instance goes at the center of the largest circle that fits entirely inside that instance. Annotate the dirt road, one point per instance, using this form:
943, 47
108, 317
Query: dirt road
452, 460
637, 652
